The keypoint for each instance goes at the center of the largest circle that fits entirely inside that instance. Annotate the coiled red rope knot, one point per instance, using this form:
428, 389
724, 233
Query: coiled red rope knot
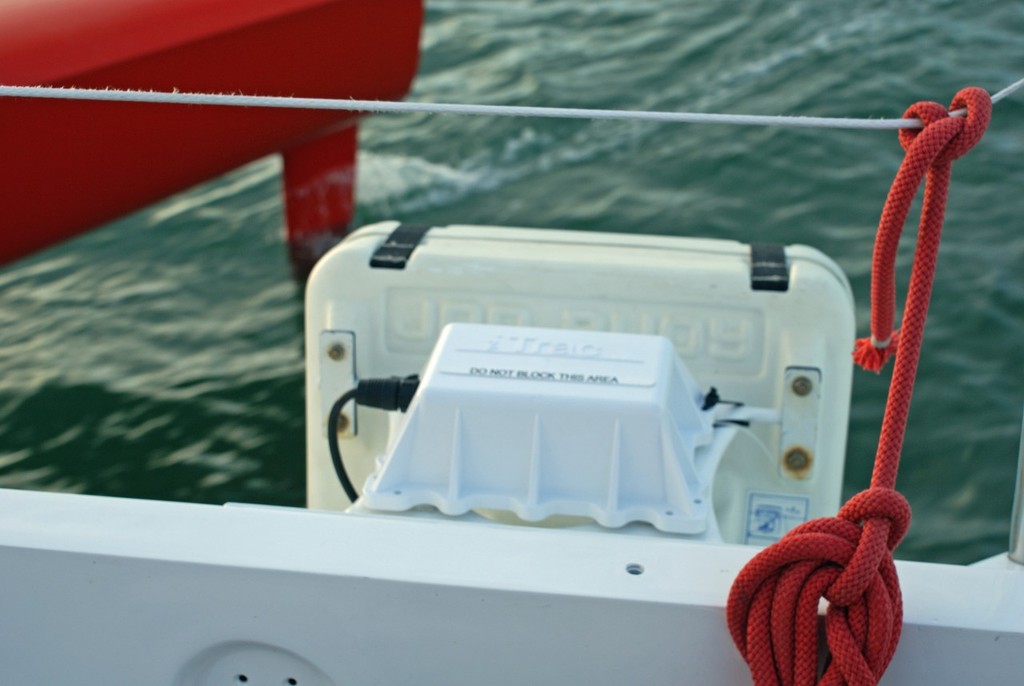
847, 560
930, 150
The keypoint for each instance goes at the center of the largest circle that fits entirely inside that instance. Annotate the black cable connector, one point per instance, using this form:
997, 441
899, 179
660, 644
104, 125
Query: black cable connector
387, 394
395, 393
710, 399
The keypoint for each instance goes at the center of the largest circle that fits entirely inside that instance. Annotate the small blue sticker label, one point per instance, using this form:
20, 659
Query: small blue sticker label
771, 515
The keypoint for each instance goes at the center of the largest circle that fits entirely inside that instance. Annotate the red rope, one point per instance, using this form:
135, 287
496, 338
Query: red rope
847, 560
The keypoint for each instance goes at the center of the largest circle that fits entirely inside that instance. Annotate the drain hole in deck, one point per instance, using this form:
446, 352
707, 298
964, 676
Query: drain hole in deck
635, 568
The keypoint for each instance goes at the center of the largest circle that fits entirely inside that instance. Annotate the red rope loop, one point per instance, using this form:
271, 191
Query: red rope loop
847, 560
930, 150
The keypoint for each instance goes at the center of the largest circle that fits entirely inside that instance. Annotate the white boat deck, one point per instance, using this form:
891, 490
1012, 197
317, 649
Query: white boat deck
115, 591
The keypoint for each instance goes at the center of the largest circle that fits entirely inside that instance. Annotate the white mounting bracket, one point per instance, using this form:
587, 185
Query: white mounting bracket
337, 367
801, 407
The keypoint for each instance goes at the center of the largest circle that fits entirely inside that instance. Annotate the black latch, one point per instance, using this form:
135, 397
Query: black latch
768, 268
394, 253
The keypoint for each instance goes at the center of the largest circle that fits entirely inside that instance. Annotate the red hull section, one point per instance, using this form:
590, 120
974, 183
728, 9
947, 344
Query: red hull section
69, 166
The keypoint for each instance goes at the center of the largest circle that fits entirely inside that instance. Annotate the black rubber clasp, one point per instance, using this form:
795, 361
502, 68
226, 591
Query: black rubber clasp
768, 268
395, 252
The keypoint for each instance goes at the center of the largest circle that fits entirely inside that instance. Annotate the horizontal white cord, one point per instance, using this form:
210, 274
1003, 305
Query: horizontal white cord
747, 413
1009, 90
382, 106
762, 415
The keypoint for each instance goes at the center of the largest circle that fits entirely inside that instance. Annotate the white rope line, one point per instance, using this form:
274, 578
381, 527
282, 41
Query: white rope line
1009, 90
383, 106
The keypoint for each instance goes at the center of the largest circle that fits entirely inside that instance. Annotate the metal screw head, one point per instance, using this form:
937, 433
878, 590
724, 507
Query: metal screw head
343, 423
802, 386
797, 459
336, 351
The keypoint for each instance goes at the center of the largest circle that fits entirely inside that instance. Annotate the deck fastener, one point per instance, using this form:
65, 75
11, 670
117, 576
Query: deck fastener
797, 459
802, 386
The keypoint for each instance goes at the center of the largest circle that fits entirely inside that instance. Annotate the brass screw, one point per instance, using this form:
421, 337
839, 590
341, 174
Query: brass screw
336, 352
343, 423
797, 459
802, 386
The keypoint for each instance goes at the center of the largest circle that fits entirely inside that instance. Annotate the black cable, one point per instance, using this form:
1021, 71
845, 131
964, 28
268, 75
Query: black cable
394, 393
332, 444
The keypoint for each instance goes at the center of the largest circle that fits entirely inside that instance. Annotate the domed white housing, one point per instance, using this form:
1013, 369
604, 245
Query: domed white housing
544, 422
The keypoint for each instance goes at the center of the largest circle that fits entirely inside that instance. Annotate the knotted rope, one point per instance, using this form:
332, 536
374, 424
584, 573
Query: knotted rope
847, 560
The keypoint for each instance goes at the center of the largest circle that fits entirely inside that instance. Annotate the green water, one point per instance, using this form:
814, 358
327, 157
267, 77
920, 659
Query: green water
160, 357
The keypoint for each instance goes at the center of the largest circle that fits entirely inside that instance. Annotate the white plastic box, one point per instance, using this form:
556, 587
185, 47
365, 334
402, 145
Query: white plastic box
755, 346
546, 422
